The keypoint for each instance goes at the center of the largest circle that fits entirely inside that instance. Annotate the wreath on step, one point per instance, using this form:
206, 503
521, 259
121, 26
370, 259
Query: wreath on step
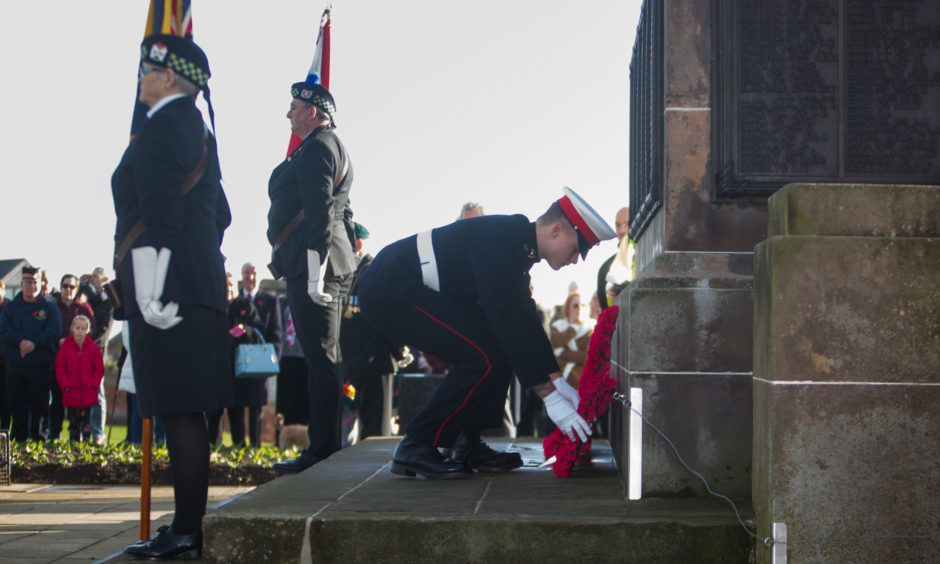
595, 390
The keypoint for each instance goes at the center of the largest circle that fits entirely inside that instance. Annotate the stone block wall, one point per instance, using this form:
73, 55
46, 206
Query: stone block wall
847, 373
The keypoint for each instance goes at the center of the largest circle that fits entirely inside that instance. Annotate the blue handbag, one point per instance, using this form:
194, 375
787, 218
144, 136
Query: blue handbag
256, 360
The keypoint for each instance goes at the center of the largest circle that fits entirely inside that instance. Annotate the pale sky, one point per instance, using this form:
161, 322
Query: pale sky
439, 103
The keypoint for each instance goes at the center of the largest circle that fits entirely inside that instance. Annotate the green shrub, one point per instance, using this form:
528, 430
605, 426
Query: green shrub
67, 453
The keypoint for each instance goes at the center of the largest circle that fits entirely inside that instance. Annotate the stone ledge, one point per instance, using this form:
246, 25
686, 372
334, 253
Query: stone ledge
854, 210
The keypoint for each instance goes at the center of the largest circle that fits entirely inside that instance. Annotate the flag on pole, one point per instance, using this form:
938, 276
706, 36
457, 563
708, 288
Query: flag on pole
319, 72
163, 16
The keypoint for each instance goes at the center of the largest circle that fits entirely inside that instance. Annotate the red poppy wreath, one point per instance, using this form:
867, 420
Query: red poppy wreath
595, 390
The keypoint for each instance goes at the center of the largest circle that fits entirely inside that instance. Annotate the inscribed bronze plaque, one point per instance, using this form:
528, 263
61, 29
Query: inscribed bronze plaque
826, 90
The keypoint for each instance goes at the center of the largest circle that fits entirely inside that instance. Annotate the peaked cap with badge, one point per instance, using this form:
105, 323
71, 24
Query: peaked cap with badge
591, 227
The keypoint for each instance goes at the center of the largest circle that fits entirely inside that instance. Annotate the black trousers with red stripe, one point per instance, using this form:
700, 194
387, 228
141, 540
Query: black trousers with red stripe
394, 300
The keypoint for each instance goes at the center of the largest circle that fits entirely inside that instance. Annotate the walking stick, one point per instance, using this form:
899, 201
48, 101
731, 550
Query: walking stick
147, 443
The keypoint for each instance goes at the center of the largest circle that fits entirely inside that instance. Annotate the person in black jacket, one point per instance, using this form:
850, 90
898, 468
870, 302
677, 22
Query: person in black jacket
173, 277
461, 292
29, 329
310, 230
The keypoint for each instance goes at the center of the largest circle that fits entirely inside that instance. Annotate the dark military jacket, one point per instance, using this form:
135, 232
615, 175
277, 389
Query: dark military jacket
305, 180
484, 263
147, 185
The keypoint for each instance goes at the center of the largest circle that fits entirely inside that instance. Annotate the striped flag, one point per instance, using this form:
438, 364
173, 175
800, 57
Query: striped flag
319, 72
163, 16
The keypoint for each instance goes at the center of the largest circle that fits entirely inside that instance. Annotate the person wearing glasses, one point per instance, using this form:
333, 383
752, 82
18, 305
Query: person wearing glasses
313, 242
173, 275
30, 326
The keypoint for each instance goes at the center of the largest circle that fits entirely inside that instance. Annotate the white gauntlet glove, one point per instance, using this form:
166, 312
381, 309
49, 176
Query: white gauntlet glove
569, 393
315, 274
150, 271
565, 416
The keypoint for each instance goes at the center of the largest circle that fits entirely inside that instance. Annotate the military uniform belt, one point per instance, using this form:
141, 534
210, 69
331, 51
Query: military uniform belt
428, 261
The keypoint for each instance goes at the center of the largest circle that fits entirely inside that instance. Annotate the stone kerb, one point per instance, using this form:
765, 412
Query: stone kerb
846, 371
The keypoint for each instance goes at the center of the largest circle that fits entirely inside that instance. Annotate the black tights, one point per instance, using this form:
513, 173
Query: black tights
187, 440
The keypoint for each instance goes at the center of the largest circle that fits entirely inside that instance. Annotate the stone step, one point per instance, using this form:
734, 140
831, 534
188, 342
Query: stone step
351, 508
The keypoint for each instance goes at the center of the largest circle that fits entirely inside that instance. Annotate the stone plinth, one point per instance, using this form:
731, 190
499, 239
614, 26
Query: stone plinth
684, 333
684, 339
847, 372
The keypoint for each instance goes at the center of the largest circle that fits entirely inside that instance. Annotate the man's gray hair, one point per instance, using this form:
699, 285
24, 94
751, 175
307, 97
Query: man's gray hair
186, 86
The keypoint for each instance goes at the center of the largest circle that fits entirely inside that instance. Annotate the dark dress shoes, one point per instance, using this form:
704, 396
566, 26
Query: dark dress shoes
478, 455
413, 457
296, 465
168, 544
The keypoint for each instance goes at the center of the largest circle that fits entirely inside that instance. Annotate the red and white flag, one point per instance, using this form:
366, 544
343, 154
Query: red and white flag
319, 72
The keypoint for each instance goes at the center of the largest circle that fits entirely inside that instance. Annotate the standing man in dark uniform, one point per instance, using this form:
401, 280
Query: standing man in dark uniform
311, 232
461, 292
173, 277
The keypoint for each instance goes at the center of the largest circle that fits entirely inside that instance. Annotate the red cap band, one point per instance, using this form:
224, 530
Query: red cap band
578, 221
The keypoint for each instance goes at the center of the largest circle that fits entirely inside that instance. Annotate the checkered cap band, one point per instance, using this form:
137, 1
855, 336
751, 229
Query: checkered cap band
317, 100
198, 76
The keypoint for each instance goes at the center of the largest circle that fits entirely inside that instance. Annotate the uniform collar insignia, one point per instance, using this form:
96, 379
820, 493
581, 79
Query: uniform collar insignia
530, 252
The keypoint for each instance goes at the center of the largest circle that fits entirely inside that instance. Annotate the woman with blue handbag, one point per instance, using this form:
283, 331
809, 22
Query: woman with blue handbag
245, 328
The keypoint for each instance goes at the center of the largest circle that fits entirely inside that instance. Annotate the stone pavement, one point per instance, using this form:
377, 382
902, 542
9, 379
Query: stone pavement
42, 523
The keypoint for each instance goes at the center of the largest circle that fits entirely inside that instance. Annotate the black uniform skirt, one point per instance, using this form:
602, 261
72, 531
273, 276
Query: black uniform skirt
185, 369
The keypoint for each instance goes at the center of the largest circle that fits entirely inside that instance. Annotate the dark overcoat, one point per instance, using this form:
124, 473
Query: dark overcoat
305, 181
186, 368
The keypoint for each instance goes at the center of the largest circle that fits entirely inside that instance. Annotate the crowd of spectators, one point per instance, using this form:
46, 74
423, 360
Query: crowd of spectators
52, 343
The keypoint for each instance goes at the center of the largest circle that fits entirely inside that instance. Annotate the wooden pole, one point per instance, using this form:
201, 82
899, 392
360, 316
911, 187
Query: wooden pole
145, 463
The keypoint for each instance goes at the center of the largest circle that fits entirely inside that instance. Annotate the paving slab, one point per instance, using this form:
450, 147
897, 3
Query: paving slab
44, 523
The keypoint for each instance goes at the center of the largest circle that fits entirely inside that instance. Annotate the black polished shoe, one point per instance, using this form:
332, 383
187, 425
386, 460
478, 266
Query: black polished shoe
478, 455
168, 544
413, 457
296, 465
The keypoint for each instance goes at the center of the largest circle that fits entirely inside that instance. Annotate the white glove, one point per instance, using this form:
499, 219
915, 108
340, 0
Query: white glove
315, 274
150, 271
569, 393
406, 358
567, 419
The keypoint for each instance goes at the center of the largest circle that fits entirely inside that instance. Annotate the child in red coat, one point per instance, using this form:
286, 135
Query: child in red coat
79, 370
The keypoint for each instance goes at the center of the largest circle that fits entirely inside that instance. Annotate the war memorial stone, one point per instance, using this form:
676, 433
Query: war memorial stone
730, 102
847, 372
